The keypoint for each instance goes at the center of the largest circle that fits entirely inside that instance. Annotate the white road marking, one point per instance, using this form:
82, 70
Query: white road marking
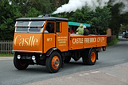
110, 74
69, 77
83, 74
123, 80
95, 72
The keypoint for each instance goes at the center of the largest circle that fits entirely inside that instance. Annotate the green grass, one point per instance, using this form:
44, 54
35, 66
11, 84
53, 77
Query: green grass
5, 55
113, 42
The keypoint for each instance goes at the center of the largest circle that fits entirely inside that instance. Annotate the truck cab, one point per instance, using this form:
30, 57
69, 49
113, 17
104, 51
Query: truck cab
38, 35
36, 38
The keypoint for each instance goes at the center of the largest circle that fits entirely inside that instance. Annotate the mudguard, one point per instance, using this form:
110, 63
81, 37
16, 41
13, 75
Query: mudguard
49, 52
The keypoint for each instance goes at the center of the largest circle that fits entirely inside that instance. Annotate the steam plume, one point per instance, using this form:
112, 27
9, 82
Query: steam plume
73, 5
124, 8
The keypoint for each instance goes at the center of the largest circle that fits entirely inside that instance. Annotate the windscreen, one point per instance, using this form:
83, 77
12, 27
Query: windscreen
29, 26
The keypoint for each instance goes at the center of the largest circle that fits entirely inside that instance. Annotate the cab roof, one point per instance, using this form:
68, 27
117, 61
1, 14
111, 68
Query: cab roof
42, 19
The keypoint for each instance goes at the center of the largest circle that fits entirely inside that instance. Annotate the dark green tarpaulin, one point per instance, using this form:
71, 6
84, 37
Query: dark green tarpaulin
77, 24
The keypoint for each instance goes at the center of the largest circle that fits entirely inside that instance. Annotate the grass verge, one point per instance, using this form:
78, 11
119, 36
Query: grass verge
5, 55
113, 42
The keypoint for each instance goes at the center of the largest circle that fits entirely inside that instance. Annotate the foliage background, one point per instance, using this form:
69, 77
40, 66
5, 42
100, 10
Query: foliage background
101, 19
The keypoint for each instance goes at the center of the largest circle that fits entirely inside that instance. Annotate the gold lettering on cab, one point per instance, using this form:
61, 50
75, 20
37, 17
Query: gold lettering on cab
62, 40
49, 39
25, 42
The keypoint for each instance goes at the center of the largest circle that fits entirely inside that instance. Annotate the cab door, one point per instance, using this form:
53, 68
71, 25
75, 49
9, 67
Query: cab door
49, 36
62, 35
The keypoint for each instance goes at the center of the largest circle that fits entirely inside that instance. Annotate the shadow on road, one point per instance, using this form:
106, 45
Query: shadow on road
71, 67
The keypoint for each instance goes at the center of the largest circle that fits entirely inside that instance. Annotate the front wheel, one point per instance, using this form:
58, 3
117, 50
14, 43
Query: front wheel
19, 64
54, 62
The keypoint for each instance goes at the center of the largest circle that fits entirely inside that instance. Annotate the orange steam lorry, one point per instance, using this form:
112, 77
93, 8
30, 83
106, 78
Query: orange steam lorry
47, 41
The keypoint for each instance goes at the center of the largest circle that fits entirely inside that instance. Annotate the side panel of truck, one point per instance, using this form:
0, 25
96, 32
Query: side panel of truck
101, 40
90, 41
81, 42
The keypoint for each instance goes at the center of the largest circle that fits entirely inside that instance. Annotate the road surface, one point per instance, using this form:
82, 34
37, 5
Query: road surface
111, 68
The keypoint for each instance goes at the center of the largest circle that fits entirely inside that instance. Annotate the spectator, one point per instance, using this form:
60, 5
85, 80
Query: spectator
80, 29
86, 31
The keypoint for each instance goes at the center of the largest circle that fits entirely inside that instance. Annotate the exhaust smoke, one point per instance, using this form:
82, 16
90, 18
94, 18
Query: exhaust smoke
73, 5
124, 8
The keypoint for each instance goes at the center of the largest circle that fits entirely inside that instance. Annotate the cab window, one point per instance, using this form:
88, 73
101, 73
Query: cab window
57, 26
36, 26
49, 28
29, 26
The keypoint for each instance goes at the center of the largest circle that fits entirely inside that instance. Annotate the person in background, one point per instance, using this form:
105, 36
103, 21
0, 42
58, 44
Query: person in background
86, 31
80, 29
123, 34
71, 31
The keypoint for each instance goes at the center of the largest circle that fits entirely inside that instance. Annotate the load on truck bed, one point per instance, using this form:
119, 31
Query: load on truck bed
46, 41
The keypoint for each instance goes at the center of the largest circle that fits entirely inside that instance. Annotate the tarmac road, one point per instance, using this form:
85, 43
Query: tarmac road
110, 69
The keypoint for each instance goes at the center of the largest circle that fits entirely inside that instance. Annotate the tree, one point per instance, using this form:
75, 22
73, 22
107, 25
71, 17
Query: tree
124, 28
8, 14
22, 8
117, 19
99, 19
32, 13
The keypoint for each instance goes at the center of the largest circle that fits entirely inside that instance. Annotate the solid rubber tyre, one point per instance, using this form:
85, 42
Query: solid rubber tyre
19, 64
90, 57
54, 62
99, 49
104, 48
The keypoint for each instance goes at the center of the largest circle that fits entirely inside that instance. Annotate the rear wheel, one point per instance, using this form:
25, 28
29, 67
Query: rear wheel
99, 49
54, 62
19, 64
104, 48
90, 57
